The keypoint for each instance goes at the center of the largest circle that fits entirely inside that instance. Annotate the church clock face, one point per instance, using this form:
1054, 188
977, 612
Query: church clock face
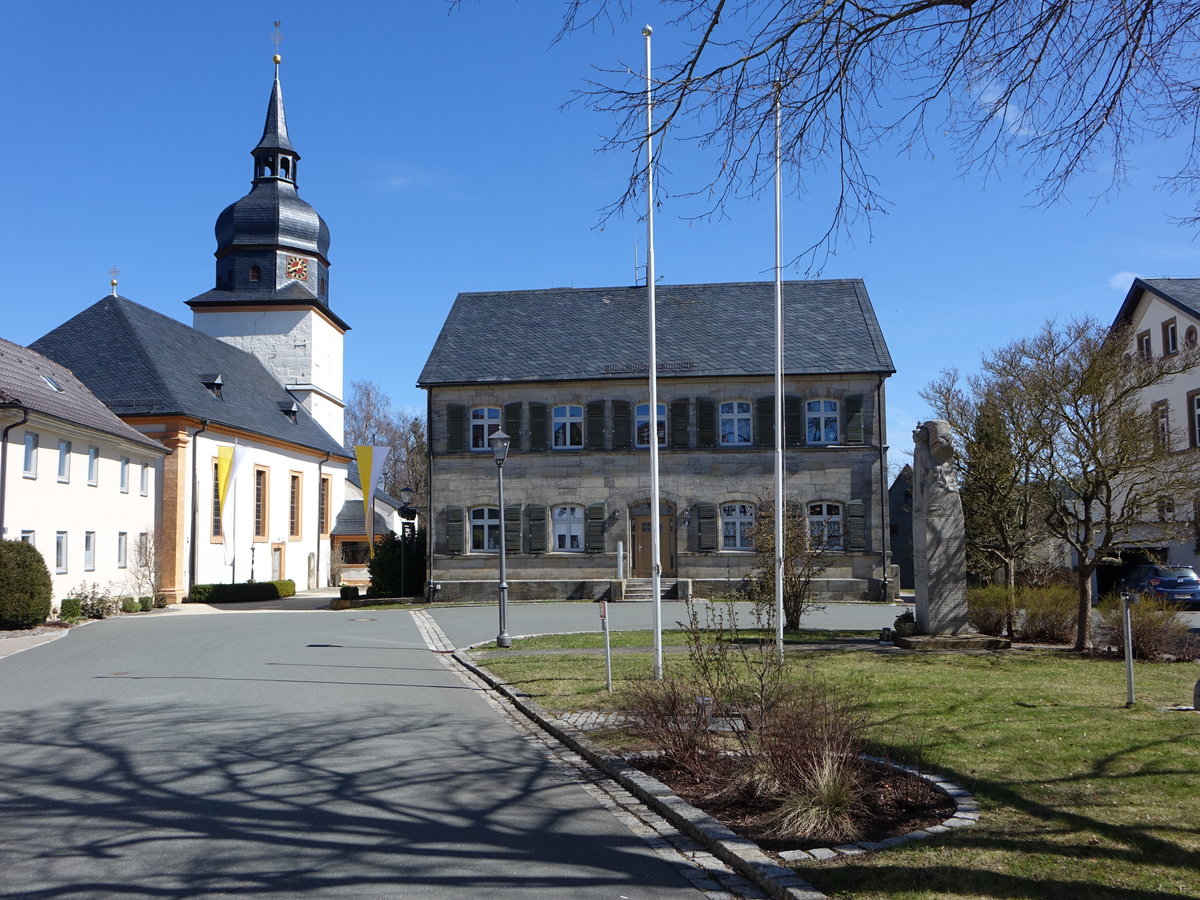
297, 268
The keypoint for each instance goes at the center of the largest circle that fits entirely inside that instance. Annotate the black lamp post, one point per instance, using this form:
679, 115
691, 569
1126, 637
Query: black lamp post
500, 443
406, 510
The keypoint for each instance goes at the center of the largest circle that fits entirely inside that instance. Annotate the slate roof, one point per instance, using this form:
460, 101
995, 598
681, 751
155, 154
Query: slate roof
350, 520
703, 330
275, 136
272, 214
290, 295
1182, 293
22, 384
142, 363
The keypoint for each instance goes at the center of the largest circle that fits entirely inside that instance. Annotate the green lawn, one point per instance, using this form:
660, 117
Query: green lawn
1081, 797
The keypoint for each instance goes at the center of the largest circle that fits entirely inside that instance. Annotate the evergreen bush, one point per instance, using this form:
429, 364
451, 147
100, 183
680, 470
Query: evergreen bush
70, 608
243, 592
25, 586
129, 605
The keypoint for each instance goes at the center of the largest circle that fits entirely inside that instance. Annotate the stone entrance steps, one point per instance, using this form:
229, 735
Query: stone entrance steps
641, 590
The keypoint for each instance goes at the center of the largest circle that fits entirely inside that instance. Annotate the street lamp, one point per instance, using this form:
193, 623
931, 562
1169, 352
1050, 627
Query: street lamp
406, 510
500, 443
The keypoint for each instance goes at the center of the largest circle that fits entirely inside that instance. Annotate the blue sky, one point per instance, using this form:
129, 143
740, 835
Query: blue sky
435, 145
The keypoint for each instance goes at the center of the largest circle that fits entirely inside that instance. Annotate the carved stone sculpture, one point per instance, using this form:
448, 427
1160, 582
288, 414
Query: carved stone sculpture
939, 540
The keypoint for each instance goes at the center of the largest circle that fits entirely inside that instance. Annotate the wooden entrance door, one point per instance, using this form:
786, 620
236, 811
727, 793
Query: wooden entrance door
640, 523
277, 562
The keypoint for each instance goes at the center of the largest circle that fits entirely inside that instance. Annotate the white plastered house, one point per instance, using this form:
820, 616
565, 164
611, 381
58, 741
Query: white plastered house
76, 482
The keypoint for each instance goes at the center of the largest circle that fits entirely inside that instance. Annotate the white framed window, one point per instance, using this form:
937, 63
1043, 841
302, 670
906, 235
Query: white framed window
64, 461
485, 529
642, 419
568, 529
1170, 333
124, 474
60, 553
737, 519
485, 421
93, 474
89, 551
31, 454
122, 549
821, 421
568, 427
29, 538
825, 525
737, 424
144, 486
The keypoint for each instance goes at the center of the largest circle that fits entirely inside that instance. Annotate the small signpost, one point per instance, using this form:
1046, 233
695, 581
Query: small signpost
607, 645
1127, 599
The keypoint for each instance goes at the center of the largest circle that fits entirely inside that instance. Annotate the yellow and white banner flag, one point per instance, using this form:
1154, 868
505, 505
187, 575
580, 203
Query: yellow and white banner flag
230, 462
371, 461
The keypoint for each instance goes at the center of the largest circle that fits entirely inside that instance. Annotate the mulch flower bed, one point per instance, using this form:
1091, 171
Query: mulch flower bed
894, 802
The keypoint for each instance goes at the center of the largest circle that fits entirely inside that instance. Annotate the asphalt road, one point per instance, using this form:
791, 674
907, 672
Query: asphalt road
289, 754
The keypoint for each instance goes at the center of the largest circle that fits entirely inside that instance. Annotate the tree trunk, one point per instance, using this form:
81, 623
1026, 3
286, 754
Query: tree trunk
1083, 621
1010, 571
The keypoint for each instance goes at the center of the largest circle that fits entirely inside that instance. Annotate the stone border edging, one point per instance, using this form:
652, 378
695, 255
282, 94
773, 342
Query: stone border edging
741, 854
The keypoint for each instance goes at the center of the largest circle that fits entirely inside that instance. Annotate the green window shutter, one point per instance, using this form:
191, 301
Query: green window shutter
764, 421
856, 526
512, 424
793, 421
622, 425
535, 528
593, 525
706, 423
538, 427
677, 424
454, 529
512, 529
706, 516
456, 428
853, 406
593, 425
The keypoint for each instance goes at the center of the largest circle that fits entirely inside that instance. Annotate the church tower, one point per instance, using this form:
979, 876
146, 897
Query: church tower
272, 281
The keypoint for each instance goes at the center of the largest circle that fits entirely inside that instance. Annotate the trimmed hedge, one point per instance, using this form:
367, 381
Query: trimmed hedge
246, 592
71, 608
25, 586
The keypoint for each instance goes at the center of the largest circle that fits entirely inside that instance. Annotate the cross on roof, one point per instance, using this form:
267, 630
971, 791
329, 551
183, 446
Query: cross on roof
277, 35
113, 273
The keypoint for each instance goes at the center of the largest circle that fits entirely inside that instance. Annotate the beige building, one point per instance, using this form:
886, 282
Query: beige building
563, 372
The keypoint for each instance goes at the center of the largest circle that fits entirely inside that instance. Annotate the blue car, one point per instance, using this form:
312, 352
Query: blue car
1179, 584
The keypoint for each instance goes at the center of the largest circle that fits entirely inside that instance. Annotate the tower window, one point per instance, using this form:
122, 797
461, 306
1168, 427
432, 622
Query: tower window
255, 273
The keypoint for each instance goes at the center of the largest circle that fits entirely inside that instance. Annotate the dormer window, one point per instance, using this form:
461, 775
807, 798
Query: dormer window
289, 409
213, 382
255, 273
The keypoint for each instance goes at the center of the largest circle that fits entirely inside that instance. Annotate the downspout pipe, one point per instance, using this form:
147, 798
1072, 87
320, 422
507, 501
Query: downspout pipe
195, 506
883, 494
320, 493
11, 404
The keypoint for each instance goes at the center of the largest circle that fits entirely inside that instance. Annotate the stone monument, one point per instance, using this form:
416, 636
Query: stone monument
939, 540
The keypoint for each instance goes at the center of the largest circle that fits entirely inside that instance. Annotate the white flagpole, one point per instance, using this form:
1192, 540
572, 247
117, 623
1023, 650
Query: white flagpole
655, 511
780, 510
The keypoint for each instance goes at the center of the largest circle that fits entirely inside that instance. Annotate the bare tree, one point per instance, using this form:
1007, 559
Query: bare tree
1098, 451
1061, 85
145, 570
804, 559
372, 419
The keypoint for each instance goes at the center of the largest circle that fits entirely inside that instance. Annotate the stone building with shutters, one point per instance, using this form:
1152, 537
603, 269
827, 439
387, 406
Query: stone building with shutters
564, 372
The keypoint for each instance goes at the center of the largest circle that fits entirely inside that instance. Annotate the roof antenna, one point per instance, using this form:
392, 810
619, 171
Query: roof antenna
113, 273
635, 264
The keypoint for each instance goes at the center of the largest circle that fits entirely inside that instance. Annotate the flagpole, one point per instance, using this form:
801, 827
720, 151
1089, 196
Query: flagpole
780, 510
655, 511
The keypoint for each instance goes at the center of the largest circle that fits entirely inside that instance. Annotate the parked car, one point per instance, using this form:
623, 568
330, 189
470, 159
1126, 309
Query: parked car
1179, 584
